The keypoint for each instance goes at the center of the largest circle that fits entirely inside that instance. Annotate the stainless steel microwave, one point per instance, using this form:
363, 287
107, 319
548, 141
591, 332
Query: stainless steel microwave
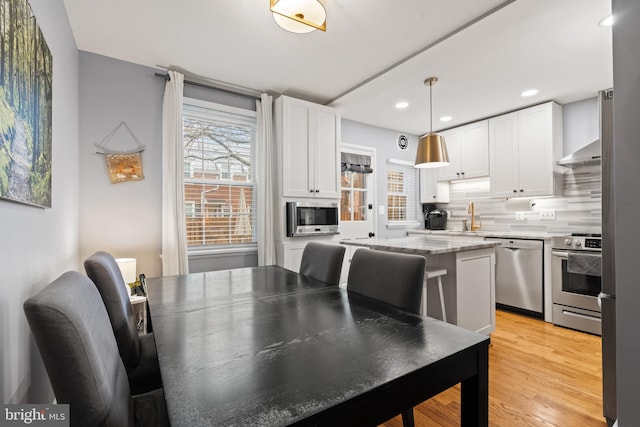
311, 218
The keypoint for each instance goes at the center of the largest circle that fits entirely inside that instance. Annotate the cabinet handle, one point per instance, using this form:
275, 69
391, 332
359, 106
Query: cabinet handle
434, 197
462, 173
311, 191
458, 173
521, 190
317, 191
515, 191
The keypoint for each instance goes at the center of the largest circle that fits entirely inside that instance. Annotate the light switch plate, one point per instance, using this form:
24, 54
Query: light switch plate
548, 214
381, 209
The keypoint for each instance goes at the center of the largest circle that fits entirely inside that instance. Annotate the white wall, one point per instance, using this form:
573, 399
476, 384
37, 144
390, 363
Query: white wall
123, 219
37, 245
626, 175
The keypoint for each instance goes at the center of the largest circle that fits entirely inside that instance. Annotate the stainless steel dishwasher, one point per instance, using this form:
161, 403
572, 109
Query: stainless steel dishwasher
519, 275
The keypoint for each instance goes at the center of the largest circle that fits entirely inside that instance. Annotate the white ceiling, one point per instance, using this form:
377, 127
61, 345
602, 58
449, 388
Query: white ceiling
484, 52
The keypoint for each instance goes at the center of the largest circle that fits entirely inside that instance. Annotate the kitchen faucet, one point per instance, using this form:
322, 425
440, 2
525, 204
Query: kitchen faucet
472, 211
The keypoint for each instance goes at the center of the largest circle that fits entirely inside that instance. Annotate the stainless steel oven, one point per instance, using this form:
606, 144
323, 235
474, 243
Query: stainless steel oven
576, 272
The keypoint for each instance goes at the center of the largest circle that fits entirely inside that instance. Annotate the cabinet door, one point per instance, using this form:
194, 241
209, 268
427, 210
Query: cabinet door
325, 153
297, 173
476, 304
432, 191
474, 150
535, 155
503, 137
453, 140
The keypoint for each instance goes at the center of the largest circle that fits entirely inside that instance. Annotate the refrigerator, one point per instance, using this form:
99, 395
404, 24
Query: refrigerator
608, 294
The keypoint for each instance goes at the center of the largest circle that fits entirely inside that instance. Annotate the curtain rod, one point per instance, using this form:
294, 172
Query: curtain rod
224, 87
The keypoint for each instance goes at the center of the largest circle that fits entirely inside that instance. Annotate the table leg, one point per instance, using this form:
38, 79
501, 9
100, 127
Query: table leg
475, 394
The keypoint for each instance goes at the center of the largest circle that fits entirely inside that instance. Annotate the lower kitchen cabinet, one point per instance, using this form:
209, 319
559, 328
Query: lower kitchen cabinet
476, 300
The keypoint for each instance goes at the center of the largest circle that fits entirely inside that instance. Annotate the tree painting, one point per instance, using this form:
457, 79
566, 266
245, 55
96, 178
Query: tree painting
25, 106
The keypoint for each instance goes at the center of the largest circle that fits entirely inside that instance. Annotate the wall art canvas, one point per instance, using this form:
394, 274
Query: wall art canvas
26, 69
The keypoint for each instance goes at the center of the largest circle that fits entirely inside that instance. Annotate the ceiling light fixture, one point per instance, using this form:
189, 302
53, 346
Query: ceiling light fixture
402, 105
607, 21
299, 16
529, 92
445, 118
432, 150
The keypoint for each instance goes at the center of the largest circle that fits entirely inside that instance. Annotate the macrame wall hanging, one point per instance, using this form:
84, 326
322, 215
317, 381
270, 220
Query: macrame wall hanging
125, 165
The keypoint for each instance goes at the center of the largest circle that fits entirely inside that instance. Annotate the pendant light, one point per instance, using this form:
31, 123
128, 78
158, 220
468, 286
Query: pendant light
432, 150
299, 16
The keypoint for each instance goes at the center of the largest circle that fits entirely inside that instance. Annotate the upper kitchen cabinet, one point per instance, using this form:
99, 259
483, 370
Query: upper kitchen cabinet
468, 148
524, 148
308, 139
432, 190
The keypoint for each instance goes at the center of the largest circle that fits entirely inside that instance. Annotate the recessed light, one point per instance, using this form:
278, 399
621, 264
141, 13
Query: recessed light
402, 105
529, 92
607, 22
445, 118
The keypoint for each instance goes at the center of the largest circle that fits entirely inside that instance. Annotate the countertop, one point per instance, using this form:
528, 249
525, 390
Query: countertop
424, 245
541, 235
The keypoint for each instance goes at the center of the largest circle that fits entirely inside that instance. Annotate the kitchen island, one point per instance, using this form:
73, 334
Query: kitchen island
468, 286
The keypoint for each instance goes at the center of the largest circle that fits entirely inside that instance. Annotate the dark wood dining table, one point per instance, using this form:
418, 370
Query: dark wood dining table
266, 346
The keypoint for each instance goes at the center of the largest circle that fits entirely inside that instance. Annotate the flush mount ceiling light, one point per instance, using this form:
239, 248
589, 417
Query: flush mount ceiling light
299, 16
402, 105
432, 150
445, 118
529, 92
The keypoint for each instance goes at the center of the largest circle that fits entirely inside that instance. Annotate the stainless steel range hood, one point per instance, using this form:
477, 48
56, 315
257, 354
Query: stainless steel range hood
586, 156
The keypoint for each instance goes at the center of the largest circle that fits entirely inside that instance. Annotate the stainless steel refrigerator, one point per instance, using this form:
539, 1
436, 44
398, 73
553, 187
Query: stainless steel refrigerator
608, 295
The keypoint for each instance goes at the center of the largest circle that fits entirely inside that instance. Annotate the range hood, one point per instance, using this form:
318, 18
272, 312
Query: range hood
586, 156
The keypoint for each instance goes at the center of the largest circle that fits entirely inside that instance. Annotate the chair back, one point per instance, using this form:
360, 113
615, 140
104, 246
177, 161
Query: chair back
389, 277
103, 270
322, 262
71, 329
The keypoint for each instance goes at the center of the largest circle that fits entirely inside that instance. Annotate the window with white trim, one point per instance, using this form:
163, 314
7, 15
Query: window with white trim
219, 184
402, 193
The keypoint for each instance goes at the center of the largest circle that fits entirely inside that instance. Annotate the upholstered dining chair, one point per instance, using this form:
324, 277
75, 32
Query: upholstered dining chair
392, 278
138, 353
323, 262
71, 329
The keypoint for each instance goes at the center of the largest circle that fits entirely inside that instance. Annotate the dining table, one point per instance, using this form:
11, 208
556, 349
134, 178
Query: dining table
266, 346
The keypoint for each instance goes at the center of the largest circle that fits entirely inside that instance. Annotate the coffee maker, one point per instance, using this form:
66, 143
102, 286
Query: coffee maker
434, 218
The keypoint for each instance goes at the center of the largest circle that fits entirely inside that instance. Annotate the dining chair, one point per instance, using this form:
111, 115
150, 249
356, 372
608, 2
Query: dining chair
323, 262
392, 278
71, 328
138, 352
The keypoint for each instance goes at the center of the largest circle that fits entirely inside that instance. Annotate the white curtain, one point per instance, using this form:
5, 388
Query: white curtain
265, 153
174, 242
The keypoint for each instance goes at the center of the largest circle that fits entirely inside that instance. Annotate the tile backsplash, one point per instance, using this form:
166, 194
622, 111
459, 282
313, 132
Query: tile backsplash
578, 209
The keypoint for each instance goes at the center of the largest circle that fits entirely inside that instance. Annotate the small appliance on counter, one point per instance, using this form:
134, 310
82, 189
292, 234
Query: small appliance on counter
434, 218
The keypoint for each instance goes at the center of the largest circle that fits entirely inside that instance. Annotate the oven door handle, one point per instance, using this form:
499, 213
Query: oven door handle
563, 255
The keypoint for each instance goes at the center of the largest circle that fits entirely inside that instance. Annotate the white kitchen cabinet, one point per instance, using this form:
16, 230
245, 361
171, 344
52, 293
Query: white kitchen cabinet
432, 190
476, 298
524, 147
308, 138
468, 148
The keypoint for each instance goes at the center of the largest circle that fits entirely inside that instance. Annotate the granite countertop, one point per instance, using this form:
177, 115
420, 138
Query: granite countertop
423, 245
542, 235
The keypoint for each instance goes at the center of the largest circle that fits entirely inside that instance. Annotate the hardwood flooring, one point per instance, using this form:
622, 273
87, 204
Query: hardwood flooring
539, 375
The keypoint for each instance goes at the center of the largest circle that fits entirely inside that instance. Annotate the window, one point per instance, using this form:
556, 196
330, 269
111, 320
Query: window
353, 201
219, 182
402, 193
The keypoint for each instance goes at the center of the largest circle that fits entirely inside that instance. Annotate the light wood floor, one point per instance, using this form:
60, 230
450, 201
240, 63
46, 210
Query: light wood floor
539, 375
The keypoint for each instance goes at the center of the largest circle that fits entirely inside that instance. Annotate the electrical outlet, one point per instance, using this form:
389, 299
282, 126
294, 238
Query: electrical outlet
519, 216
548, 214
381, 209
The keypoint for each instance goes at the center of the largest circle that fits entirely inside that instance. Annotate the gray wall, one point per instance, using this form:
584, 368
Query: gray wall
125, 219
384, 141
626, 175
37, 245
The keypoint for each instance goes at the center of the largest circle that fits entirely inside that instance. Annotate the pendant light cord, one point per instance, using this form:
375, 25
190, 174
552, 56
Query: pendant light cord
430, 108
